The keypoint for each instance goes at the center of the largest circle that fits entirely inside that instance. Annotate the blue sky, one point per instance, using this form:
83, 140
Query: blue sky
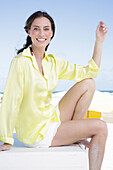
76, 23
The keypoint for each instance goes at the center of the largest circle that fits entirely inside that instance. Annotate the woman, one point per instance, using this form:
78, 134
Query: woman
27, 97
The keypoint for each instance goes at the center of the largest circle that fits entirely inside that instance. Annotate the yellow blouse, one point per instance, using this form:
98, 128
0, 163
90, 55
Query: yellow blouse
26, 104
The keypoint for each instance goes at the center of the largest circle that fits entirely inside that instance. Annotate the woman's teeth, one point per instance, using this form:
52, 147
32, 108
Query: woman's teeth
41, 39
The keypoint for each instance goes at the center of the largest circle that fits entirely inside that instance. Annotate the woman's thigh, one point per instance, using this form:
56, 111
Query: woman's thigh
75, 130
69, 101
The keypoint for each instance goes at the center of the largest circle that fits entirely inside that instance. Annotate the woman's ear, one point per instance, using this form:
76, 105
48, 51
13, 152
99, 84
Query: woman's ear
51, 34
29, 33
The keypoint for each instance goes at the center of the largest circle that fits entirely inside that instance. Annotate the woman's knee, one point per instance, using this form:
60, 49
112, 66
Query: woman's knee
102, 128
90, 84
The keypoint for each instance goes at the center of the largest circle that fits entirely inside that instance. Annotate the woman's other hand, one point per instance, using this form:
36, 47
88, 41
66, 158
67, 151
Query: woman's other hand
101, 31
5, 147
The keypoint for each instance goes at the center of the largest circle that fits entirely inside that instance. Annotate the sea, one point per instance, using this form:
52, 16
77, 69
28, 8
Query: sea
109, 91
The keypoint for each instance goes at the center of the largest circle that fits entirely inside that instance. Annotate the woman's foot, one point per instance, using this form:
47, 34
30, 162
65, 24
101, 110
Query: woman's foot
84, 142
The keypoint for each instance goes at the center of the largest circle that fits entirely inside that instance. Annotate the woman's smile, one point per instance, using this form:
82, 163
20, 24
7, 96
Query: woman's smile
40, 39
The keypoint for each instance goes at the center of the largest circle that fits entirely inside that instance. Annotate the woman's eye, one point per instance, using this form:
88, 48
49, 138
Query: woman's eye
36, 29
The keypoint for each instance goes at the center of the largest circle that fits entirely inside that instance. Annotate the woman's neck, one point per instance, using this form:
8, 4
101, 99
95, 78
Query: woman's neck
38, 53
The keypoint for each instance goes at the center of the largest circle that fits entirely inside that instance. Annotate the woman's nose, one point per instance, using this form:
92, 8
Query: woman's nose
41, 33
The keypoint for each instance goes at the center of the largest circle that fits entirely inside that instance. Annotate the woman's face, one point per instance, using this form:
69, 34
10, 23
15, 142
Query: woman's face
40, 32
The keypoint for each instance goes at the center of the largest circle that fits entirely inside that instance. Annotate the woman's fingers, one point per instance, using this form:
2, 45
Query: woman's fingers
5, 147
103, 26
101, 31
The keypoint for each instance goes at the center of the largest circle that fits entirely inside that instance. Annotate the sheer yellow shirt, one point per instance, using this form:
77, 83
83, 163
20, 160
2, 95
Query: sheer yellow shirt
26, 104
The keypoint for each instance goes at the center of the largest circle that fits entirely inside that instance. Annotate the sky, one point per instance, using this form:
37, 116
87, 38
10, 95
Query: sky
76, 23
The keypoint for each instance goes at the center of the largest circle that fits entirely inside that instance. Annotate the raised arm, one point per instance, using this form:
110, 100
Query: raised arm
100, 36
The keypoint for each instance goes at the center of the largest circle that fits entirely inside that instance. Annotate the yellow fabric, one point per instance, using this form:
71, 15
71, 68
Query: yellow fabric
91, 114
26, 104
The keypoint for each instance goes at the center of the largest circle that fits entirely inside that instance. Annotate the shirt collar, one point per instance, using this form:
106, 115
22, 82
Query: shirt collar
27, 53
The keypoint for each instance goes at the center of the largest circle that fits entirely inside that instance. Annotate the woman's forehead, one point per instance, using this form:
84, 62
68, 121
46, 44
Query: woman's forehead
41, 21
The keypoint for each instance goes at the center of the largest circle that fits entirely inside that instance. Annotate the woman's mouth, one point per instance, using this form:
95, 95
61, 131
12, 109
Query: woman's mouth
41, 39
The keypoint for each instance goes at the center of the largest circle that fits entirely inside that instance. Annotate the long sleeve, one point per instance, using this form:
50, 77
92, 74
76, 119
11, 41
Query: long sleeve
76, 72
12, 98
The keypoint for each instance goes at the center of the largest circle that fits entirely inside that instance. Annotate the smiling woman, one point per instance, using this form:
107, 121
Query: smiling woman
32, 78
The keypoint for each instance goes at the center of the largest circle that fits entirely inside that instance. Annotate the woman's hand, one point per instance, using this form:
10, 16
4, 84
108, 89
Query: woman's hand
100, 36
5, 147
101, 31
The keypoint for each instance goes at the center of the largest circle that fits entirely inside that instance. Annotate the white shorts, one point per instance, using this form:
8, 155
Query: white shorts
46, 142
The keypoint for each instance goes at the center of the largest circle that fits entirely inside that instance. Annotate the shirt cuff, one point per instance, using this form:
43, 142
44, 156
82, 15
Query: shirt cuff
93, 65
7, 140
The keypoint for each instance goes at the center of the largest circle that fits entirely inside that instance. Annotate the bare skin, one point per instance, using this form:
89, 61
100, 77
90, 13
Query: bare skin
79, 95
84, 98
5, 147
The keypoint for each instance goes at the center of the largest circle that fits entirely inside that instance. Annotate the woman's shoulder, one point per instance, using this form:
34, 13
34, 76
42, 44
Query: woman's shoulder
19, 57
18, 61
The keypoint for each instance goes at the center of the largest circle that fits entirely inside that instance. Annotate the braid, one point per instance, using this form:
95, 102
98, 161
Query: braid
28, 42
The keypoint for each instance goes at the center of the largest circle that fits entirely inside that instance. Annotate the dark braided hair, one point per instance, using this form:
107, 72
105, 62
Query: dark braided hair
28, 24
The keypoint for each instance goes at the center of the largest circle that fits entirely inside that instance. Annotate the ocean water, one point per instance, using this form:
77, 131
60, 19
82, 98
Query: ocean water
1, 92
109, 91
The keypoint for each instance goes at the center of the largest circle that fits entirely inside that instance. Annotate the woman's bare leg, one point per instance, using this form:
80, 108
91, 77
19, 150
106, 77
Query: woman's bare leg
76, 101
75, 130
73, 107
